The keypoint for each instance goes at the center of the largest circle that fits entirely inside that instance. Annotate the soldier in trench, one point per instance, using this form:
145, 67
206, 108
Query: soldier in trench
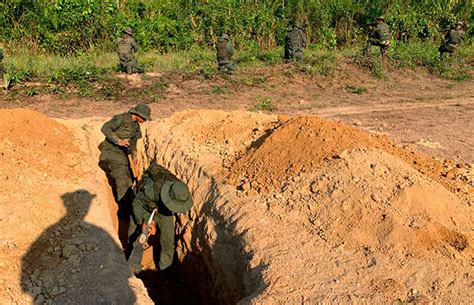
162, 191
121, 135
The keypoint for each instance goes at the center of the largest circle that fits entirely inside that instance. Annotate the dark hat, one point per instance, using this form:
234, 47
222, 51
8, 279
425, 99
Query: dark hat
142, 110
176, 196
128, 31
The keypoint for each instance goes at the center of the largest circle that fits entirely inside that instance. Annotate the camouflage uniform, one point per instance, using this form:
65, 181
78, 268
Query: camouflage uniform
126, 47
379, 36
224, 52
452, 40
295, 42
113, 158
149, 197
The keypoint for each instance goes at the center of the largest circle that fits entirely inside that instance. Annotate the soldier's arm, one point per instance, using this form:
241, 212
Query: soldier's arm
108, 129
140, 213
134, 45
230, 50
303, 38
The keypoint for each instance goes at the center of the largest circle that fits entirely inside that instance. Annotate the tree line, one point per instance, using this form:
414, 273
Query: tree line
72, 26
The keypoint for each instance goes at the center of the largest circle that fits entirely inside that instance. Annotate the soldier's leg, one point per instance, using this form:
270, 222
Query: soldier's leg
384, 51
136, 67
230, 67
166, 226
120, 173
298, 55
223, 68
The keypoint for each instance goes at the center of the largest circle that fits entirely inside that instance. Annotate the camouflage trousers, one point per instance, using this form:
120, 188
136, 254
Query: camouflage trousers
226, 67
129, 64
376, 42
120, 180
165, 233
447, 48
296, 54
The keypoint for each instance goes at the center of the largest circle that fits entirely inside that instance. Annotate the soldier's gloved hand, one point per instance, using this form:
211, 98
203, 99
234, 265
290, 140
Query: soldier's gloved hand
124, 143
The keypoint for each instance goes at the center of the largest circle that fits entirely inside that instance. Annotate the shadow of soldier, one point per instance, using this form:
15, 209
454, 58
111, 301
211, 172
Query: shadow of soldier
75, 262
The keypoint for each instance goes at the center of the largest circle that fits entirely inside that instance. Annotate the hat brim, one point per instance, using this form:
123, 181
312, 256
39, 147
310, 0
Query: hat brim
147, 117
173, 206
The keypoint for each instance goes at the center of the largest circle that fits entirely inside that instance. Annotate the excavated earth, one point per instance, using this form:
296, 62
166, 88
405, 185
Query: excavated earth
294, 210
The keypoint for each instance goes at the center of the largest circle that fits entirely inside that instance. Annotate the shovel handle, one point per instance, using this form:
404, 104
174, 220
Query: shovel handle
132, 166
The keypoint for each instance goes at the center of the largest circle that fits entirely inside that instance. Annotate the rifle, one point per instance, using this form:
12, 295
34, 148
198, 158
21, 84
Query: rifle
139, 246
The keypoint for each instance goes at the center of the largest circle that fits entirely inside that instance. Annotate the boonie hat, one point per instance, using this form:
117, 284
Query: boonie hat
128, 30
176, 196
142, 110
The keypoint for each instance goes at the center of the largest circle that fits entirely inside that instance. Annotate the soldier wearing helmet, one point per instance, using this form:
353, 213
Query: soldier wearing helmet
295, 41
121, 135
452, 39
126, 48
379, 35
224, 52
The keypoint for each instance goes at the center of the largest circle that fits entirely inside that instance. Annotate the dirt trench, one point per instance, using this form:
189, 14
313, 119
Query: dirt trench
210, 265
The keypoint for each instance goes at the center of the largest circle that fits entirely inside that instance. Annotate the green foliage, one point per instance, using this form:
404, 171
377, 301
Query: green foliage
324, 63
74, 26
452, 67
263, 104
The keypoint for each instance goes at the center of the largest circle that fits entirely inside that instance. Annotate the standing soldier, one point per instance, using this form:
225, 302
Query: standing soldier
295, 42
452, 39
119, 149
224, 54
379, 36
160, 194
126, 48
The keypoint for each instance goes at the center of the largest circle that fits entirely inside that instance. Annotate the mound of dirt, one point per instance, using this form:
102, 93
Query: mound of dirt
342, 216
300, 144
32, 141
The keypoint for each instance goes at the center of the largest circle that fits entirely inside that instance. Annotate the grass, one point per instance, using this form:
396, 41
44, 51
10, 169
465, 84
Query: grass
263, 104
93, 74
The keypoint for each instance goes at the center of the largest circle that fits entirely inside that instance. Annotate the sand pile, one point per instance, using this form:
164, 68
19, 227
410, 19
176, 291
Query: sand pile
300, 144
30, 140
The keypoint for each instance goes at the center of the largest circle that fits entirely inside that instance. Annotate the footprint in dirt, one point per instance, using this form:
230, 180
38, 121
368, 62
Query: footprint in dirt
74, 262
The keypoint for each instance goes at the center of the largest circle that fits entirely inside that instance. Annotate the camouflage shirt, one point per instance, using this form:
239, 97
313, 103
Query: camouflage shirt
295, 39
120, 127
224, 51
126, 45
382, 32
454, 37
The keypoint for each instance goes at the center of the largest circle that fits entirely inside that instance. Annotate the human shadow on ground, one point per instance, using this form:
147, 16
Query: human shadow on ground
75, 262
